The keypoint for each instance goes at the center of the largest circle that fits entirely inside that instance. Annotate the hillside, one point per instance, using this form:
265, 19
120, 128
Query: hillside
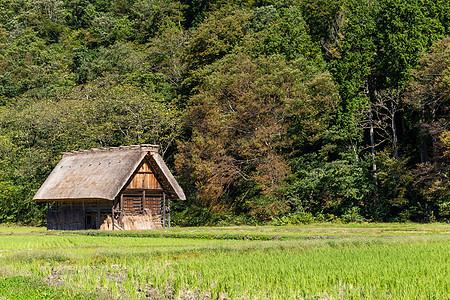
285, 111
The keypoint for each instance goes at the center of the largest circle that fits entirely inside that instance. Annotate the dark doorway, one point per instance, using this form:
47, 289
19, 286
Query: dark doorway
91, 221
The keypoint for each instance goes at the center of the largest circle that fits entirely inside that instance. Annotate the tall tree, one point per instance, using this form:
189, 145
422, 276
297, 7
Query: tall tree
241, 119
429, 100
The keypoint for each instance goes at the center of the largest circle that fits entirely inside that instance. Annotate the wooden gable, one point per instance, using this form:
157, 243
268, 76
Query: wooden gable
144, 178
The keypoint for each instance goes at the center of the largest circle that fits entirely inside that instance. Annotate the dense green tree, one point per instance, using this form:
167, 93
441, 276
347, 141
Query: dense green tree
335, 108
429, 99
241, 119
31, 66
217, 36
99, 114
282, 31
332, 188
404, 30
152, 15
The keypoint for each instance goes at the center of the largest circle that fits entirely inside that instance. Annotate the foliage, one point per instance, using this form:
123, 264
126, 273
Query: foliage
217, 36
241, 118
295, 219
267, 109
283, 31
428, 97
405, 29
395, 185
38, 130
330, 187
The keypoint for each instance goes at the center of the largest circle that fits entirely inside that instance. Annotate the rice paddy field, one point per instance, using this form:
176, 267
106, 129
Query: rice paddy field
319, 261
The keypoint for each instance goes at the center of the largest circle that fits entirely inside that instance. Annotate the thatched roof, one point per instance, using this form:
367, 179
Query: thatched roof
102, 174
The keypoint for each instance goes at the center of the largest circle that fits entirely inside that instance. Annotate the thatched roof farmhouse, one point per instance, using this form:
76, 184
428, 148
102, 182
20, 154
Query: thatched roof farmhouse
112, 188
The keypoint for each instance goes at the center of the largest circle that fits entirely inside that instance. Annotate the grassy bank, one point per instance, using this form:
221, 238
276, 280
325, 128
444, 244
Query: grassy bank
337, 261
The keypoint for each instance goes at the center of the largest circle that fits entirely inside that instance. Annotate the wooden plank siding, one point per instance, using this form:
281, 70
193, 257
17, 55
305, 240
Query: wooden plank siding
144, 179
76, 215
143, 194
133, 204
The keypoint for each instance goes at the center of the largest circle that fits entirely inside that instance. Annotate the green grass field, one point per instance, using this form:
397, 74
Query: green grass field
319, 261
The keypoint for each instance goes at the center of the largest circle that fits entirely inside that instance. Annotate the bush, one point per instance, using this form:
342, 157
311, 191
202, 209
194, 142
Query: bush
295, 219
352, 215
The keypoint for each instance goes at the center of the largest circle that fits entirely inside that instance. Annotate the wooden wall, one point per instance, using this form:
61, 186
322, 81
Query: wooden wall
76, 215
79, 215
134, 203
144, 179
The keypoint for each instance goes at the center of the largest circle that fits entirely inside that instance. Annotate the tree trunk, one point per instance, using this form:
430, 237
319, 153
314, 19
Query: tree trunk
394, 132
372, 148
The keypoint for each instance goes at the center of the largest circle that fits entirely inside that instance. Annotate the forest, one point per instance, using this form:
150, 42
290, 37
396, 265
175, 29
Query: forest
281, 112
